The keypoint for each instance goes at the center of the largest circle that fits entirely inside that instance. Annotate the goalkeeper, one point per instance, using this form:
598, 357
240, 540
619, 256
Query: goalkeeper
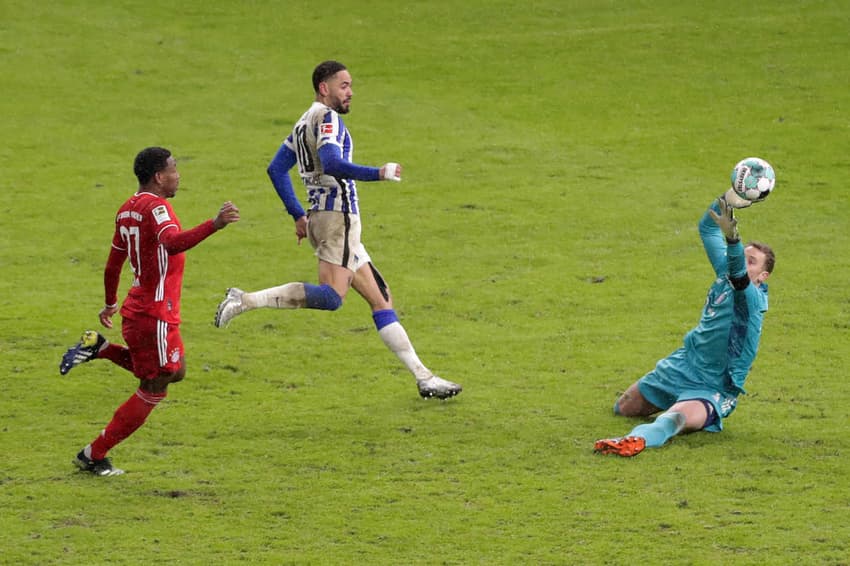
697, 386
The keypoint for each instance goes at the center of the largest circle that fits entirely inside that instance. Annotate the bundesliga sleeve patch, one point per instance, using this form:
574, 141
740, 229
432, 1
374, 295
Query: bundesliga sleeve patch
328, 129
160, 214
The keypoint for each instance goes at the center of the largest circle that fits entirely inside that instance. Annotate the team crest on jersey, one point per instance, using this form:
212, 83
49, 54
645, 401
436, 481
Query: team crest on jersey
160, 214
328, 129
175, 355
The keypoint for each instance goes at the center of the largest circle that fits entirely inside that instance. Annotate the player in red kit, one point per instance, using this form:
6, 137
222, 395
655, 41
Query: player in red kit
149, 236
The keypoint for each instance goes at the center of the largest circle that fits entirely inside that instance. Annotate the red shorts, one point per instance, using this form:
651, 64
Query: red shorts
155, 346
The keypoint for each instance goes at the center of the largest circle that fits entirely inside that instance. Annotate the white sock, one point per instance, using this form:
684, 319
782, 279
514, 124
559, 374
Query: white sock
395, 337
289, 296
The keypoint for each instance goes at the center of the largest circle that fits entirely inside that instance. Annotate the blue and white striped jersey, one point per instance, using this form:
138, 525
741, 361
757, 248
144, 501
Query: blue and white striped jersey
320, 126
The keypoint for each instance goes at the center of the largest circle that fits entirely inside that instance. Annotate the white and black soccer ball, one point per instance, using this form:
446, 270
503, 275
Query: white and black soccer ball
753, 179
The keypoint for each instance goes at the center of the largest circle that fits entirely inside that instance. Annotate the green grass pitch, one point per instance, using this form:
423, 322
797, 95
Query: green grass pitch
542, 250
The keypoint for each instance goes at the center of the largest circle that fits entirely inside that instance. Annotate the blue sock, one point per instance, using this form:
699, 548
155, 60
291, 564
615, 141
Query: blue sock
384, 317
322, 297
662, 429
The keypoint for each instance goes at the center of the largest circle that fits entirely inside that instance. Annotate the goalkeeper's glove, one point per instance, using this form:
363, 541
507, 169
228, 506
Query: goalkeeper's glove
726, 221
735, 201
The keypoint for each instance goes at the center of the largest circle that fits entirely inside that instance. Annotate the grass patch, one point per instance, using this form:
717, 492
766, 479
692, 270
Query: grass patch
542, 251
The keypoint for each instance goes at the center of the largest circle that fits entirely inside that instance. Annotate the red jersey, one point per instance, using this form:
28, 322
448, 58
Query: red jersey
148, 234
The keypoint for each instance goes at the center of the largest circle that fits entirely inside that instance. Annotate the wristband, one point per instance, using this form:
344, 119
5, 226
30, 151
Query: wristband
391, 172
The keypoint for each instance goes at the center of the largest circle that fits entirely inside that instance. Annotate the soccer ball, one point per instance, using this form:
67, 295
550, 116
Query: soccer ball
753, 179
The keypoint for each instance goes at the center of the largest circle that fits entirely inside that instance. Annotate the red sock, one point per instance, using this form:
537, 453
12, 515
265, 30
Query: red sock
129, 416
119, 355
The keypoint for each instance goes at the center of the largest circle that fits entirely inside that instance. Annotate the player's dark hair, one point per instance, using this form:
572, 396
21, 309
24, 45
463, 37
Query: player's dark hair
149, 161
769, 256
324, 71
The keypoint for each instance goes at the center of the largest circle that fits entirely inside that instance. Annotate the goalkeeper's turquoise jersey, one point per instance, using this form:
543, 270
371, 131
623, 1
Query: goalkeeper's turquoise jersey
722, 347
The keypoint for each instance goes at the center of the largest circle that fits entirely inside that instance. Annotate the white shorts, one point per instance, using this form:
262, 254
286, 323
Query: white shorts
335, 237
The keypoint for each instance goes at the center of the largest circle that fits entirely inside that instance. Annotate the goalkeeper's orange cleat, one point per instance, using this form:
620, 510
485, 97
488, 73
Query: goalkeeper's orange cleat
627, 446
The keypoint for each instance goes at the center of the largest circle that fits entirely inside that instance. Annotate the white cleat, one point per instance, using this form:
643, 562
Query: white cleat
229, 307
437, 387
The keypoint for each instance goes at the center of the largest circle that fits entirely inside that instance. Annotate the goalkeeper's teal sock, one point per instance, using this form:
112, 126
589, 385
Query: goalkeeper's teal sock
662, 429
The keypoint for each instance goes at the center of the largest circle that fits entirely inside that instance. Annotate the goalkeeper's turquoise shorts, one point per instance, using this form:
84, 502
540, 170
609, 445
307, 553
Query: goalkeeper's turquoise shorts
673, 380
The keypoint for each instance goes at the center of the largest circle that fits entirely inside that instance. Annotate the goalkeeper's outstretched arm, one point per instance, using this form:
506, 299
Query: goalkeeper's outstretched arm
713, 241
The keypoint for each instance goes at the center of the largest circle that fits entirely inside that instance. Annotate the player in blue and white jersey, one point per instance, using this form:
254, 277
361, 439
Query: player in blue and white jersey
697, 386
322, 148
